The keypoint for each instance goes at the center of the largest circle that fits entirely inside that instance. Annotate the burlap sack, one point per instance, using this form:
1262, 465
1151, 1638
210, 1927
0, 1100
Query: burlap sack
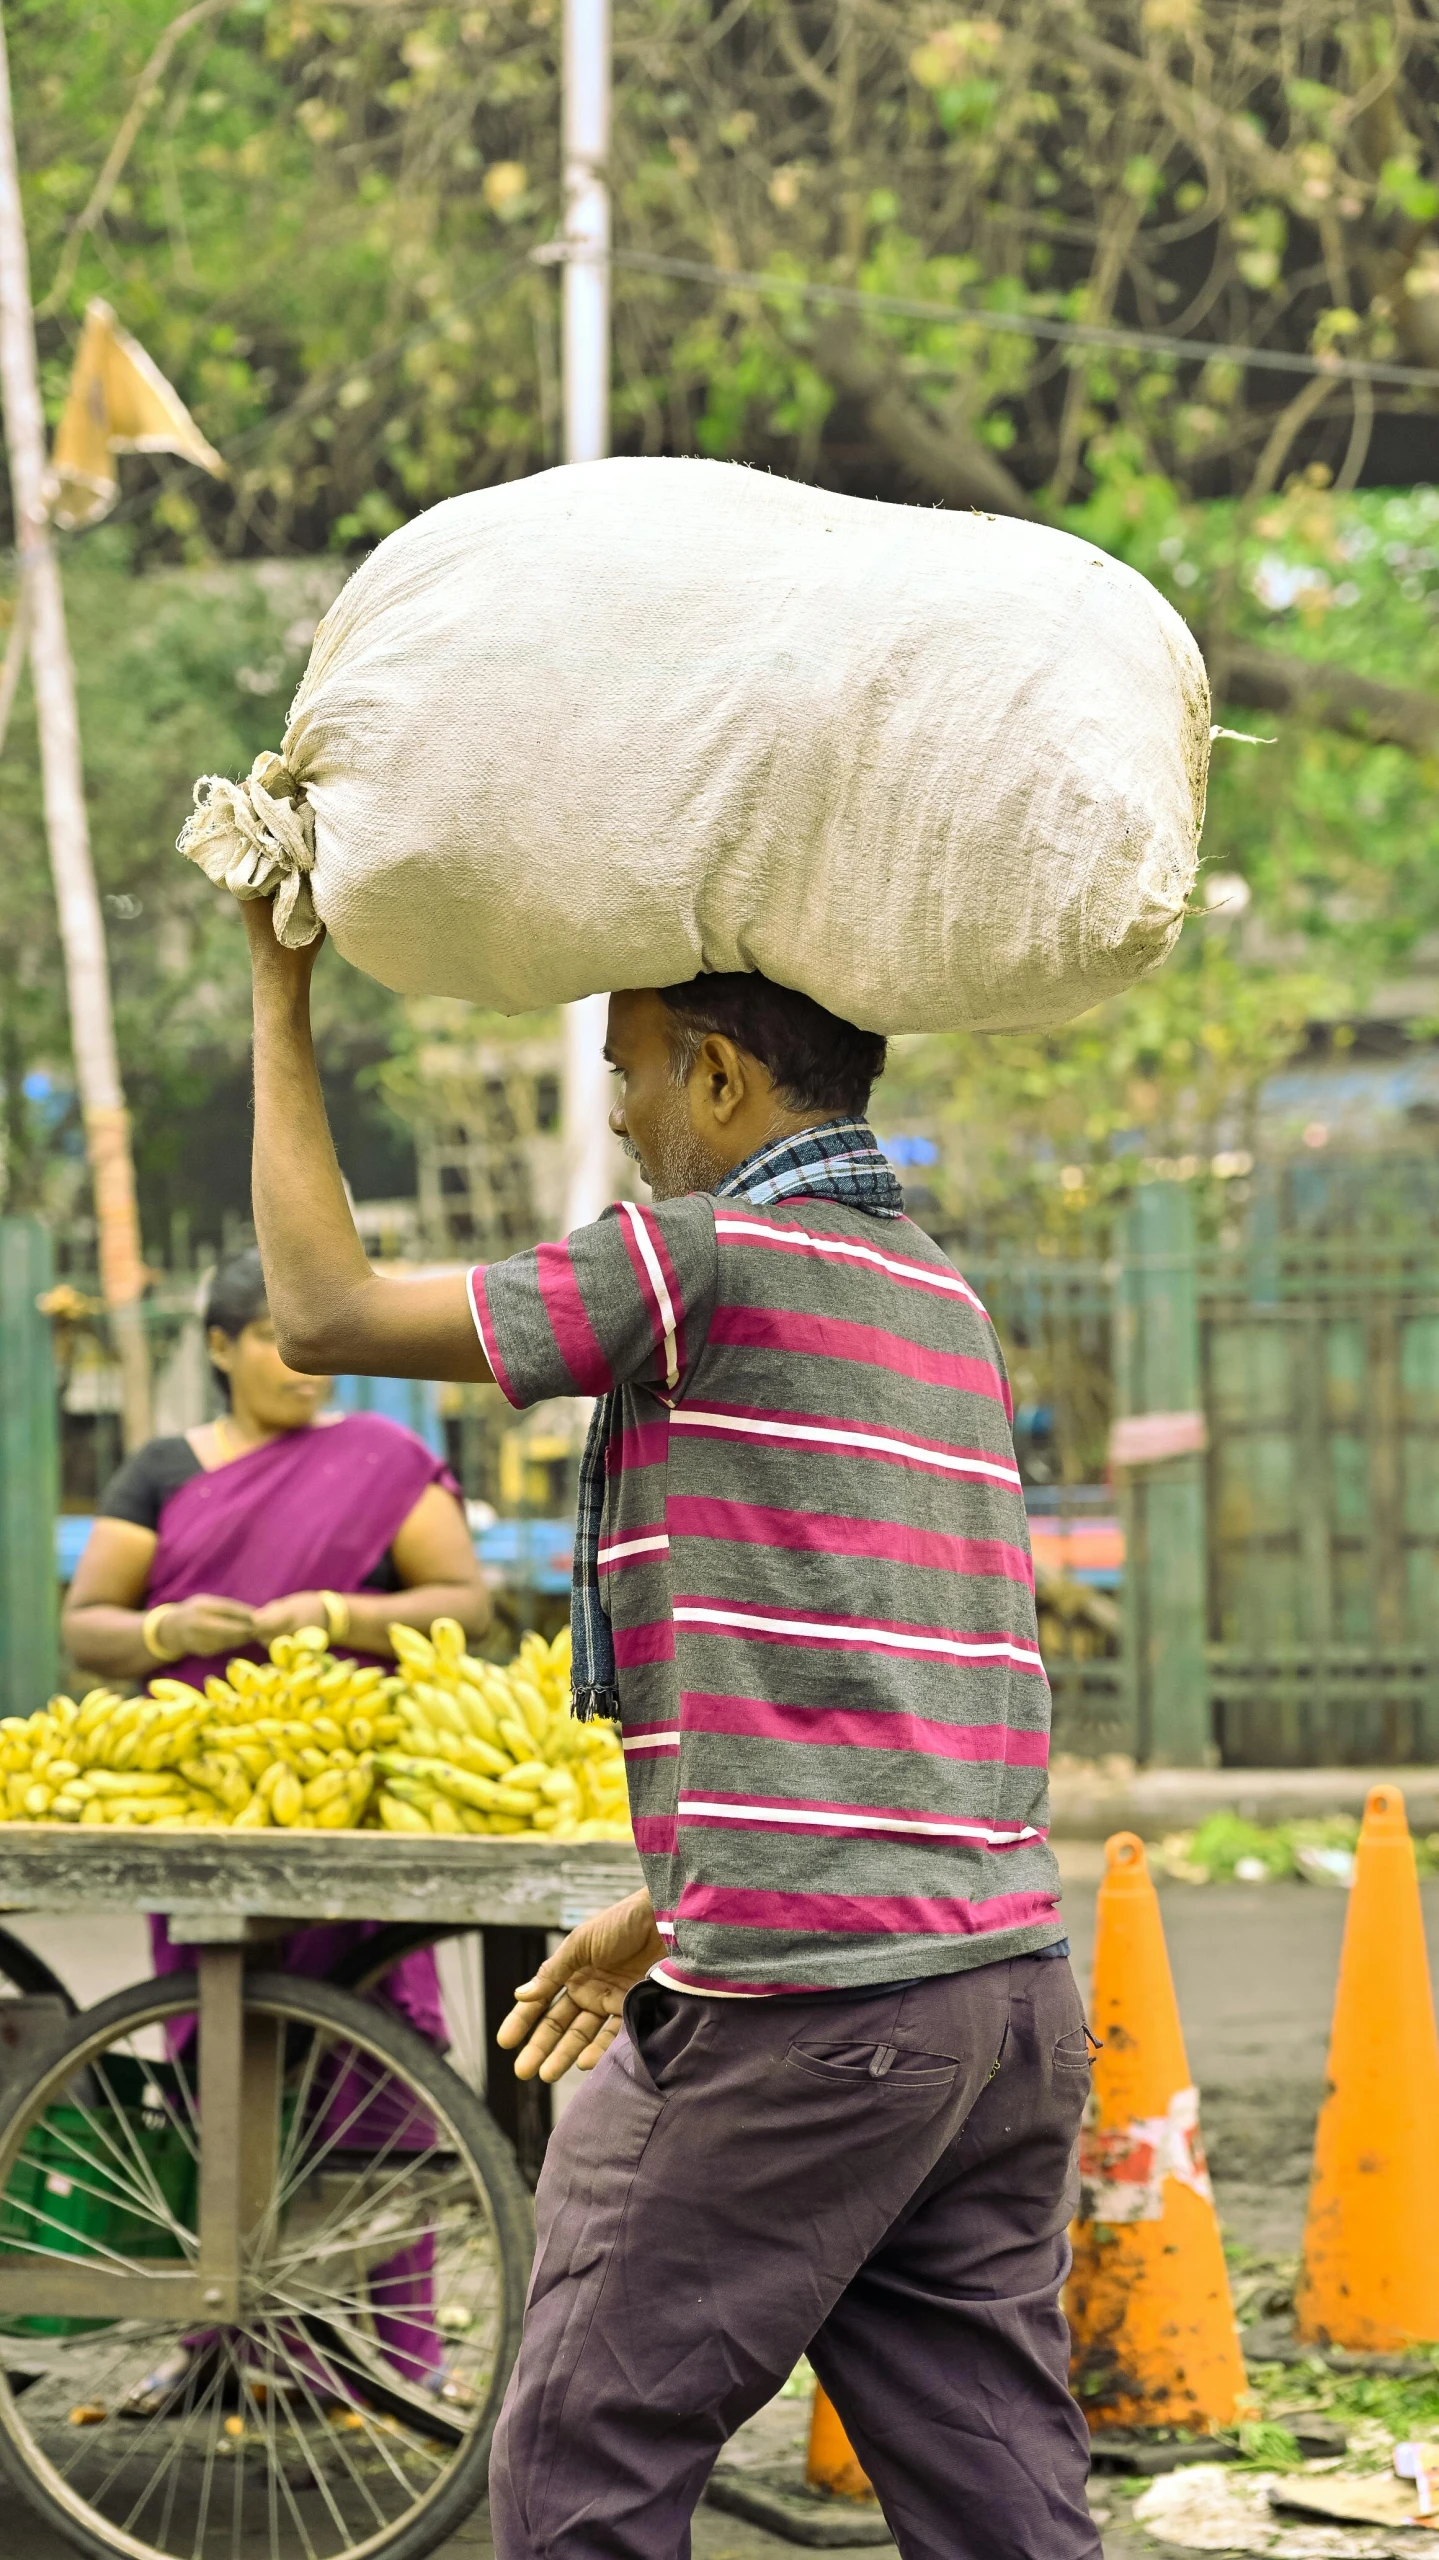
617, 723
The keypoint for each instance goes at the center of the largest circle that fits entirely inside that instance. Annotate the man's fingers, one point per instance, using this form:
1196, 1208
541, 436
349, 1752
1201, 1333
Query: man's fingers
572, 2046
514, 2029
600, 2044
555, 2023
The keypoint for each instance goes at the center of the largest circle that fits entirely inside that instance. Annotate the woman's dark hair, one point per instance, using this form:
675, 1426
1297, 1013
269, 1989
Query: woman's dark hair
818, 1062
236, 1298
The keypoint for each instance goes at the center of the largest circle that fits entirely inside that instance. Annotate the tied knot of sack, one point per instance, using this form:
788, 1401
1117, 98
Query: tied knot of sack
257, 839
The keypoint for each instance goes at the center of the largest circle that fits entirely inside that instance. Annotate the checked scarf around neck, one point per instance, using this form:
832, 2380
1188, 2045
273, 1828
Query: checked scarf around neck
841, 1160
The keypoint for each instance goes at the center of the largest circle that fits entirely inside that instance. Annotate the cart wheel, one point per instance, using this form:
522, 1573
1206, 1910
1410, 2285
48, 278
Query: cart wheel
460, 1956
26, 1976
350, 2408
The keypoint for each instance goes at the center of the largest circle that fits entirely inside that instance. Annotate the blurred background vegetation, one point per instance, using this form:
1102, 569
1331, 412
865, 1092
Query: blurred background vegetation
318, 219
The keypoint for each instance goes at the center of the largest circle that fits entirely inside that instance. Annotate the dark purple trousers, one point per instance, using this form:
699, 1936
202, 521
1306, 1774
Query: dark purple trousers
885, 2183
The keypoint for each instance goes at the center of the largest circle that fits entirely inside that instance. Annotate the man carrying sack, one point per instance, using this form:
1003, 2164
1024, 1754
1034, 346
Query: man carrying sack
841, 2060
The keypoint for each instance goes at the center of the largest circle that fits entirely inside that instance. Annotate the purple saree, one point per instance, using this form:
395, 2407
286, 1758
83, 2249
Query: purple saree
314, 1511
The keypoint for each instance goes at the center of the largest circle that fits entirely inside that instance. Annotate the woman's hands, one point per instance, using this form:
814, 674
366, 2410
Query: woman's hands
570, 2010
206, 1624
284, 1617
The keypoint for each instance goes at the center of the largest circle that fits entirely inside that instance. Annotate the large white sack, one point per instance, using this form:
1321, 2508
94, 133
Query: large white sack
624, 721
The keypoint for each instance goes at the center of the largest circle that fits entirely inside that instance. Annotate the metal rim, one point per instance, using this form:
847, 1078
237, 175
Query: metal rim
31, 1976
286, 2353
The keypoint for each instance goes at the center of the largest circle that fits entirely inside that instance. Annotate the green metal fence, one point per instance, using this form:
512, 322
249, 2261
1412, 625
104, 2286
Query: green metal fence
1281, 1589
1321, 1382
1280, 1600
29, 1443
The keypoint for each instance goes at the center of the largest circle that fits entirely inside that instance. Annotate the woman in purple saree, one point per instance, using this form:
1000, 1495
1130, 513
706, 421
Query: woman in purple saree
275, 1516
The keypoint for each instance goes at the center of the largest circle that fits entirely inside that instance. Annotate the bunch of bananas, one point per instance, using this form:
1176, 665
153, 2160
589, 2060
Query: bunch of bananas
306, 1742
485, 1749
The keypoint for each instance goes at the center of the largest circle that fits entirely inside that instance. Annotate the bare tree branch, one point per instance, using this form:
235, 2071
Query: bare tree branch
962, 472
147, 90
1329, 697
949, 460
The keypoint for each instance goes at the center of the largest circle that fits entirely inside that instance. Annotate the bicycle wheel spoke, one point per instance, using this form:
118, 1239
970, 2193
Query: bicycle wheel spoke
279, 2480
94, 2249
380, 2261
335, 2141
225, 2364
409, 2166
390, 2240
119, 2185
309, 2160
136, 2443
189, 2409
137, 2204
149, 2181
299, 2120
375, 2435
334, 2437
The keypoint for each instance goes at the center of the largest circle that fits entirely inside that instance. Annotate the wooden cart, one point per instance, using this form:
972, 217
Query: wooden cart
262, 2252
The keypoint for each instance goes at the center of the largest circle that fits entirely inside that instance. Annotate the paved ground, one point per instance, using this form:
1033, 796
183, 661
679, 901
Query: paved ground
1255, 1970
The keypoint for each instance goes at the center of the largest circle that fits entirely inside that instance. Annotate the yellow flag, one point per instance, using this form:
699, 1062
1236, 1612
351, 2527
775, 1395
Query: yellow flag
118, 402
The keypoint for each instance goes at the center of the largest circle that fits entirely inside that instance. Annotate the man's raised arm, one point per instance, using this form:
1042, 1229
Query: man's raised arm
332, 1314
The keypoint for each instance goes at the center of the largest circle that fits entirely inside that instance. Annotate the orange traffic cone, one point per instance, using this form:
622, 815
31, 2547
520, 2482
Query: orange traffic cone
832, 2463
1371, 2242
1155, 2341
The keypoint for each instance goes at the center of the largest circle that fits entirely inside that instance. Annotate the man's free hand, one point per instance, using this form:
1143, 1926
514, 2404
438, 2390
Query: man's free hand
570, 2010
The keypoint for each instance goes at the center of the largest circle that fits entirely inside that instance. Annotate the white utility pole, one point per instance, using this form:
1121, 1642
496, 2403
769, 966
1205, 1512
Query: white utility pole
82, 931
589, 1148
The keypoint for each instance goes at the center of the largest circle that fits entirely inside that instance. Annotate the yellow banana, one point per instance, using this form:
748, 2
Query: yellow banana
395, 1815
286, 1799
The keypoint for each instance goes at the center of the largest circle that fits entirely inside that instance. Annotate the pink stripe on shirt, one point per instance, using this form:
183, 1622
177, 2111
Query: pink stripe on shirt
786, 1329
864, 1914
574, 1334
644, 1444
832, 1534
862, 1729
655, 1832
653, 1642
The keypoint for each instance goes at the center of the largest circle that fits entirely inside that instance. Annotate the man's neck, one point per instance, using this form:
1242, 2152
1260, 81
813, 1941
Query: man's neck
783, 1129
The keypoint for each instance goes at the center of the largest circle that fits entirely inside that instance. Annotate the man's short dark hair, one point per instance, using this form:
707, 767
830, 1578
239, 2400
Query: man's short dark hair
818, 1062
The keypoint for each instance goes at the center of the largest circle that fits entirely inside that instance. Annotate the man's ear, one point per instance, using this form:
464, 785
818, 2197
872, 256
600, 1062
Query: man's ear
722, 1070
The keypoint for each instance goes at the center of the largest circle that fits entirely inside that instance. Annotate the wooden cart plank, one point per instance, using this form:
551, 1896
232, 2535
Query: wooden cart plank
192, 1877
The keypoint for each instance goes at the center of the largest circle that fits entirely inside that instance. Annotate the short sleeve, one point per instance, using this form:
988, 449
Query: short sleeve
625, 1302
139, 1489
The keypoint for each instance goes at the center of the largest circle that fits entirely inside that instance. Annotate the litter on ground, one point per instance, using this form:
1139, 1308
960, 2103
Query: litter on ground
1211, 2507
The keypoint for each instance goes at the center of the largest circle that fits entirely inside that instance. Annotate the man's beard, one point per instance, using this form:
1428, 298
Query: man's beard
680, 1160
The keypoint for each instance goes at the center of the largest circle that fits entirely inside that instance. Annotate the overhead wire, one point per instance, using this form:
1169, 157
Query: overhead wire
788, 288
1023, 324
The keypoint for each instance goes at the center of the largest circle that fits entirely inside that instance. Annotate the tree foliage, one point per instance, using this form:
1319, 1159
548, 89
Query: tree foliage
325, 205
320, 218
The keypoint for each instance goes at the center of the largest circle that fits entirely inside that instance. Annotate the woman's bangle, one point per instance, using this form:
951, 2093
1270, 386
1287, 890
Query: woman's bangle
150, 1634
337, 1615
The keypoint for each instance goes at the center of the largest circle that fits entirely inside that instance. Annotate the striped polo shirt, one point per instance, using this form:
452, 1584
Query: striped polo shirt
816, 1562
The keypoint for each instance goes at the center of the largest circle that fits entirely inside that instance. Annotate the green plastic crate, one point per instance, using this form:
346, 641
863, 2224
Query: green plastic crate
53, 2201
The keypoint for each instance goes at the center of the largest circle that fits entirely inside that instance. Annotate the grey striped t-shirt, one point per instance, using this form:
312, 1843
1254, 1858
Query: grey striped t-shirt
816, 1562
